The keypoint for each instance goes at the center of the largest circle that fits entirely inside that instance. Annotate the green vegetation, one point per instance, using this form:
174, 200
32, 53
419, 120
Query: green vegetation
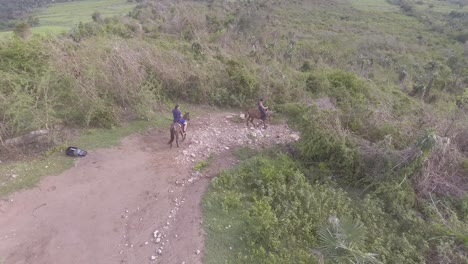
268, 211
202, 164
380, 91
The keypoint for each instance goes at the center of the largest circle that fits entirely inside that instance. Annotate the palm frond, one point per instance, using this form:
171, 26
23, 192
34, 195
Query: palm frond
340, 242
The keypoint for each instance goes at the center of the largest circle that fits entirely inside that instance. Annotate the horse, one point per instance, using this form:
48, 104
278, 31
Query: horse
176, 129
252, 114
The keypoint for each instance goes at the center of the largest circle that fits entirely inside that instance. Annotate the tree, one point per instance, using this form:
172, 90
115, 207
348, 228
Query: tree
22, 30
96, 16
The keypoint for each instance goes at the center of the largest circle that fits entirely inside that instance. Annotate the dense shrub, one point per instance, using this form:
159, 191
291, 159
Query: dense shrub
242, 84
276, 214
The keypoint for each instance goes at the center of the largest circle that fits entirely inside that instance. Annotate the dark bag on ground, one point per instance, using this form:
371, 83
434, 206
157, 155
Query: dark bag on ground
75, 152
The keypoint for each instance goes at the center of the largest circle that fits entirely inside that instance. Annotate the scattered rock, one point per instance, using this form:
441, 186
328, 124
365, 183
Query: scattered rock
156, 234
213, 137
294, 137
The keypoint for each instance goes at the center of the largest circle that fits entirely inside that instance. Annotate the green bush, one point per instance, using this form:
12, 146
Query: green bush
242, 83
323, 141
102, 117
276, 214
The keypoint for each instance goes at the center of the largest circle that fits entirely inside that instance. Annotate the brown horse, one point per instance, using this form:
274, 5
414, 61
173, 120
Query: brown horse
176, 129
252, 114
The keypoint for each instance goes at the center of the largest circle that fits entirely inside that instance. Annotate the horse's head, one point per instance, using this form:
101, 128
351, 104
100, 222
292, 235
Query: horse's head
187, 116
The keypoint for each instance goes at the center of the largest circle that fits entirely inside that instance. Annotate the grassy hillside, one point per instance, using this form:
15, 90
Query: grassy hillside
378, 91
61, 17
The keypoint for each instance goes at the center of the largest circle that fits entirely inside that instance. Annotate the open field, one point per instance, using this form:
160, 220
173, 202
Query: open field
61, 17
383, 6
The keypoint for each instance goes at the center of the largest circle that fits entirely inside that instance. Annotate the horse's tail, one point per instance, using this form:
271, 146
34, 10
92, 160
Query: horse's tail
172, 135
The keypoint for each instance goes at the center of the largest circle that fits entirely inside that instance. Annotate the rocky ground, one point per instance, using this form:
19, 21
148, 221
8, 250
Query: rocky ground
135, 203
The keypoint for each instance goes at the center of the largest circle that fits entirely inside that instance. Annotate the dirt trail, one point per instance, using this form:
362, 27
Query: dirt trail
135, 203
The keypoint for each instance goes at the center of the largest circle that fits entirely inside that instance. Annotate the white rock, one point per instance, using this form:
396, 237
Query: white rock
146, 243
158, 240
156, 233
226, 147
193, 155
197, 252
153, 257
295, 137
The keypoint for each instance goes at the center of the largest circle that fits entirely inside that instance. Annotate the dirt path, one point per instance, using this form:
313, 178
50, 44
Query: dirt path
135, 203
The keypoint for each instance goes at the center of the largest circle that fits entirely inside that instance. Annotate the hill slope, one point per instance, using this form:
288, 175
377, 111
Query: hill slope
379, 93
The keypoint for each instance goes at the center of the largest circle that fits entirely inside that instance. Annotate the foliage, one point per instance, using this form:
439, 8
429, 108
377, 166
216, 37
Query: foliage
242, 84
274, 214
340, 241
363, 154
202, 164
22, 30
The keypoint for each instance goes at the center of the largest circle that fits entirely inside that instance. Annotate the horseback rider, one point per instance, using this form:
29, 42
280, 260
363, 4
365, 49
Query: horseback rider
262, 109
178, 118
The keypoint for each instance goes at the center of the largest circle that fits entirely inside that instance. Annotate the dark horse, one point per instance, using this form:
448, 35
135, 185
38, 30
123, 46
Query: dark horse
176, 129
252, 114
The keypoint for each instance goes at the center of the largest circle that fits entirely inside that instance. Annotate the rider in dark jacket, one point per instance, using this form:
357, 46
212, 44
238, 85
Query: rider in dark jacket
262, 109
178, 118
